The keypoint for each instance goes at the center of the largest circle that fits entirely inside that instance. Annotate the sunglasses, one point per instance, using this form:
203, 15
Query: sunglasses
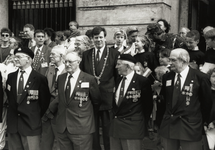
6, 35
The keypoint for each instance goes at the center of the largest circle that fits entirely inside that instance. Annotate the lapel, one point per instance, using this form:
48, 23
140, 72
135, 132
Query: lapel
182, 99
169, 89
28, 85
116, 88
14, 84
50, 75
89, 58
61, 87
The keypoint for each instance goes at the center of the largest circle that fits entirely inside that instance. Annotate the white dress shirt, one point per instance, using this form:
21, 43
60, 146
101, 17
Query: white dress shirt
183, 76
101, 52
127, 82
26, 75
73, 80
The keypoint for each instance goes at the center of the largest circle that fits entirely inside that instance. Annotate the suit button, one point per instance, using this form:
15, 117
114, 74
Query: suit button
179, 116
172, 115
115, 117
18, 114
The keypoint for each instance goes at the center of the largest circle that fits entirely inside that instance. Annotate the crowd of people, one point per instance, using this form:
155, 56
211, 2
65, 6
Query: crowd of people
64, 89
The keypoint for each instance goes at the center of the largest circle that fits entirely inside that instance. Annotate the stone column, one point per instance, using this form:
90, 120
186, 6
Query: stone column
4, 10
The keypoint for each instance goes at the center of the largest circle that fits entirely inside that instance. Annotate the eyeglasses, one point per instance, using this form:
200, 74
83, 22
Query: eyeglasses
6, 35
69, 62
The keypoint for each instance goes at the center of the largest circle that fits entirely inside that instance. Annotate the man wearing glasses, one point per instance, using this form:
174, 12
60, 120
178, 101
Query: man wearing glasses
28, 96
78, 93
4, 49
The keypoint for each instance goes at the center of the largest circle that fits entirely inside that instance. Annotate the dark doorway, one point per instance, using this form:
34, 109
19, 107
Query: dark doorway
55, 14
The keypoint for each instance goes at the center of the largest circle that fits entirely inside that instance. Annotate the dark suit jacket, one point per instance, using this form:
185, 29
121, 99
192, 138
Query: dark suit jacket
131, 117
46, 53
25, 117
50, 74
70, 116
108, 78
1, 98
185, 122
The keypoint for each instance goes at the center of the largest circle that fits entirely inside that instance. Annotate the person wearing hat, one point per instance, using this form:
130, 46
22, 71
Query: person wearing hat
56, 68
163, 40
132, 107
129, 43
28, 98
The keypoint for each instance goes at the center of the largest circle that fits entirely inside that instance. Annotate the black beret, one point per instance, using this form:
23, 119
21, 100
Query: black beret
127, 57
24, 50
154, 28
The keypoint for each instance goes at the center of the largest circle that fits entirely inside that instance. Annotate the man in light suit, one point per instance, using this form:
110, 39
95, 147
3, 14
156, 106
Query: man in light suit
100, 62
78, 92
131, 108
28, 96
187, 94
41, 52
56, 68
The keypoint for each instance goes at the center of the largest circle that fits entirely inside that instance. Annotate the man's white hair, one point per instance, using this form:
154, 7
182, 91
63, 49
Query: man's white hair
59, 49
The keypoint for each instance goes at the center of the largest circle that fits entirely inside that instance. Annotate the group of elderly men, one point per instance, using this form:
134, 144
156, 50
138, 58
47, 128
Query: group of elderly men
77, 92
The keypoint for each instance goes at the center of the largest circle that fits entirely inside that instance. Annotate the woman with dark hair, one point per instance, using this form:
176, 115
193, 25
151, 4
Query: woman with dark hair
4, 48
50, 37
165, 26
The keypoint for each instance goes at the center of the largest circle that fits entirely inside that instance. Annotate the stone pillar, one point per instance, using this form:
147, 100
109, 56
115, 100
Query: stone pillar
4, 10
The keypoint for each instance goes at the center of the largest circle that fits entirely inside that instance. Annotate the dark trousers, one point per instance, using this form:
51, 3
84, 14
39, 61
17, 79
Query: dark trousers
19, 142
104, 115
49, 135
172, 144
69, 141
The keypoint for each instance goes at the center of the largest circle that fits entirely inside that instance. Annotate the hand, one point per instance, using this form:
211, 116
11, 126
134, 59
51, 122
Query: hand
211, 126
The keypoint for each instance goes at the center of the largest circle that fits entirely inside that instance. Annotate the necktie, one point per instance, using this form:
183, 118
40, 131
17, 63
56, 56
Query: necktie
54, 77
20, 86
36, 59
68, 88
97, 56
121, 92
176, 90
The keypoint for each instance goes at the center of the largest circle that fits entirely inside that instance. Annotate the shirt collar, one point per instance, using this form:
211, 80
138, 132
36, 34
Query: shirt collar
27, 70
39, 48
184, 72
130, 76
196, 48
101, 49
75, 74
61, 67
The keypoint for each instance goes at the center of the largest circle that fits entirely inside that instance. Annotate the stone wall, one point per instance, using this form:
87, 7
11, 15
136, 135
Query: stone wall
4, 13
114, 14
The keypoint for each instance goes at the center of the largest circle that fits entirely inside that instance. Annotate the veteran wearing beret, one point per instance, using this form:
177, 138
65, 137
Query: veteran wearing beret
78, 92
131, 108
28, 97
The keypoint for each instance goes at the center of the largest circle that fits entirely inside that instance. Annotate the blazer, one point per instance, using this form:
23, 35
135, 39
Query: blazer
185, 120
107, 81
50, 74
71, 116
1, 98
130, 118
43, 63
25, 117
